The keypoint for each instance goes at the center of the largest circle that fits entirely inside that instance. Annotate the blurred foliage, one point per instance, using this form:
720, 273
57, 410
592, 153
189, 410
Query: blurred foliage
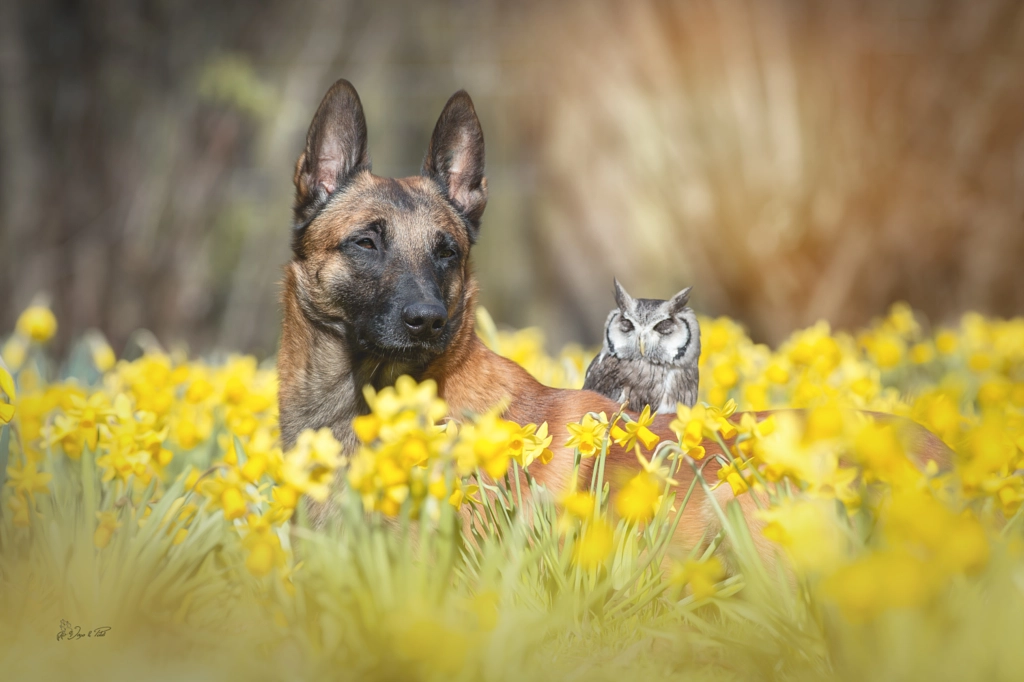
149, 498
793, 160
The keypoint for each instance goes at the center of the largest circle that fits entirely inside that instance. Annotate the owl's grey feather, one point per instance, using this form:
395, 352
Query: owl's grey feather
650, 354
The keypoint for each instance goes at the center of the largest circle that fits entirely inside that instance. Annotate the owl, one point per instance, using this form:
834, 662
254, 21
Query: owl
650, 353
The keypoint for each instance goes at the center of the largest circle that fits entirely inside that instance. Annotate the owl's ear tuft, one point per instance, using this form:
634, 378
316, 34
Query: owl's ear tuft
623, 299
679, 301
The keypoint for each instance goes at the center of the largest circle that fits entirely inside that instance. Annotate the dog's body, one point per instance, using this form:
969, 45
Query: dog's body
380, 285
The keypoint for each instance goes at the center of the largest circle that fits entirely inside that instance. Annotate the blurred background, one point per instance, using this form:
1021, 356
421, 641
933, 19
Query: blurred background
791, 160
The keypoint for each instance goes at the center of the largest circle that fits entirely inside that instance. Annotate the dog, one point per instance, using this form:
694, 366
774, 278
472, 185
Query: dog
380, 285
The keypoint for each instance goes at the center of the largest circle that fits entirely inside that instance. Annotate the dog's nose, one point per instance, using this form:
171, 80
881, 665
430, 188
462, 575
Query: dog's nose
425, 320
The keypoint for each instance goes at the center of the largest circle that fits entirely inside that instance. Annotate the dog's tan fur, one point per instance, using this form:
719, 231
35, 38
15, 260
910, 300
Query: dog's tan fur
320, 378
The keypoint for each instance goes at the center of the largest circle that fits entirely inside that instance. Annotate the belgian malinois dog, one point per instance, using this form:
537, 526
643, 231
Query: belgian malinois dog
380, 285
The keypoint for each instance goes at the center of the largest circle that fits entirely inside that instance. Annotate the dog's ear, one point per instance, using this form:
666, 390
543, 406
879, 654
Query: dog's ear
335, 147
455, 159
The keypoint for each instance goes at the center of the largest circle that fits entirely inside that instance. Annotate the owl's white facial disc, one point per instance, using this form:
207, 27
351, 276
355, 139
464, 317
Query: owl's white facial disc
665, 340
620, 335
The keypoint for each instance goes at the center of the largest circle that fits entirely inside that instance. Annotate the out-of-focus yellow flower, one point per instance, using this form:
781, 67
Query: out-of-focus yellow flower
7, 387
27, 479
824, 423
881, 454
979, 361
813, 348
922, 353
366, 427
809, 532
38, 323
946, 342
636, 431
901, 320
108, 523
777, 373
594, 546
994, 392
579, 504
701, 576
103, 357
227, 491
886, 349
880, 581
725, 375
14, 352
265, 551
309, 466
487, 444
80, 425
439, 648
637, 501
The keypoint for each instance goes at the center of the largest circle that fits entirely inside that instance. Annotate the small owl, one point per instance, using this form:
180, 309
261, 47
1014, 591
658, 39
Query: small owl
650, 353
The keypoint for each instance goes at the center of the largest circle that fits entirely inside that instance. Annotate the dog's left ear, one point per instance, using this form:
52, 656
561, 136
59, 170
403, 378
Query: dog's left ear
455, 159
335, 147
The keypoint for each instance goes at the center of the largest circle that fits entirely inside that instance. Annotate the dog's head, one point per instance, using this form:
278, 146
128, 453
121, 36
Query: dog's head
384, 261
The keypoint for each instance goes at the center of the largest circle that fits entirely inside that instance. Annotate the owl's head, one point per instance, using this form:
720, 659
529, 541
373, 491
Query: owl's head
655, 331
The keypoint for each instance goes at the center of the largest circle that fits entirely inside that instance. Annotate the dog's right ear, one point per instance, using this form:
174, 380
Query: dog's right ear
335, 148
455, 159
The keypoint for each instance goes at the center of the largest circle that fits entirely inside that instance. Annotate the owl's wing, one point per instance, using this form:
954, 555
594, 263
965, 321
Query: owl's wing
683, 388
604, 377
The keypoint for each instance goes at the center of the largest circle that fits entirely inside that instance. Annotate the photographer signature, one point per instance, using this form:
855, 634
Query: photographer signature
69, 632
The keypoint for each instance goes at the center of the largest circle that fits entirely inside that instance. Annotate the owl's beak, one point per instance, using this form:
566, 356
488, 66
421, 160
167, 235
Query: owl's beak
641, 346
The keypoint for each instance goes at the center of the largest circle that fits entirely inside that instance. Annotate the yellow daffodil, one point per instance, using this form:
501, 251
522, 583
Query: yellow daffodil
632, 432
463, 494
588, 435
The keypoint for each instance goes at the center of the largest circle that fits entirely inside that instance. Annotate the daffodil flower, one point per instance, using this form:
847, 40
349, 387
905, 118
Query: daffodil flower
587, 435
633, 431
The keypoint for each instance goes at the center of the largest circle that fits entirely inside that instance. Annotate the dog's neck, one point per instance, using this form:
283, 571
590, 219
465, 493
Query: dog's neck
473, 379
322, 374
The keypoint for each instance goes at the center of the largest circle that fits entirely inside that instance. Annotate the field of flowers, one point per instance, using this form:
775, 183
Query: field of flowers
151, 526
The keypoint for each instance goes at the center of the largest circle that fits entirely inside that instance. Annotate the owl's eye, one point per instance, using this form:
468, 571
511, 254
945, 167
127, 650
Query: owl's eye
625, 325
664, 327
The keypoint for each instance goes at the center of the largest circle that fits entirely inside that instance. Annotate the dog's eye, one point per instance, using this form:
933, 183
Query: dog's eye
366, 243
625, 325
446, 253
664, 327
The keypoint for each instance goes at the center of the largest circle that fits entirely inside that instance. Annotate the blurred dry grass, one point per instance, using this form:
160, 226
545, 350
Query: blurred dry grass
792, 160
